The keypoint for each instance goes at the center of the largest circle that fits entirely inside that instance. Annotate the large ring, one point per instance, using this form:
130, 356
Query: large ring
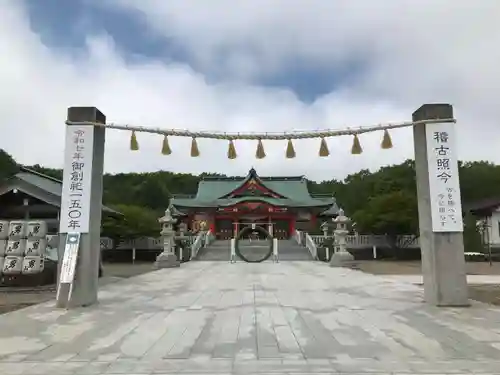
256, 229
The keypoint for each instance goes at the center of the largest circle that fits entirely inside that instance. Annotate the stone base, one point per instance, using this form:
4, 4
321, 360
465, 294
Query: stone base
342, 259
166, 260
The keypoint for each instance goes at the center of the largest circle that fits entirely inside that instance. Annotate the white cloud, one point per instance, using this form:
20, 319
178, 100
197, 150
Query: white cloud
416, 52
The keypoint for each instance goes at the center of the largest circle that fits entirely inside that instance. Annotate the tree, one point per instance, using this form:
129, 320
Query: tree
382, 201
391, 214
472, 237
8, 166
136, 222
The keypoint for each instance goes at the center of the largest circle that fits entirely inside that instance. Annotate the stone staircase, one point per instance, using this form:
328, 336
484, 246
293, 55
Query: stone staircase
220, 250
217, 250
291, 250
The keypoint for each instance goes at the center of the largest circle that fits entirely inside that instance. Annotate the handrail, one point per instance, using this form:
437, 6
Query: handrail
311, 246
198, 244
209, 238
297, 235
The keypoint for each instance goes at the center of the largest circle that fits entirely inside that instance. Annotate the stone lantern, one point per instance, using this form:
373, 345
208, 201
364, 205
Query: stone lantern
341, 257
167, 259
324, 228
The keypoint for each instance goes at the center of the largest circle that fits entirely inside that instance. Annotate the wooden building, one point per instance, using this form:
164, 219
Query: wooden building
228, 204
29, 195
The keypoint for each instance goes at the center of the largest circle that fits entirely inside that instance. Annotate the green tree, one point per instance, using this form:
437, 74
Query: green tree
136, 222
392, 214
472, 237
8, 166
479, 180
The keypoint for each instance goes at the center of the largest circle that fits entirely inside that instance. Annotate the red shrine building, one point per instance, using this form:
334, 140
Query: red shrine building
228, 204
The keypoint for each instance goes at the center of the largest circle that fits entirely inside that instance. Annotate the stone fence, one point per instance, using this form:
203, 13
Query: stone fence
363, 241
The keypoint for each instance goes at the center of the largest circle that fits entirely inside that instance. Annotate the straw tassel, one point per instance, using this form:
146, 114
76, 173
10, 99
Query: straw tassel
195, 152
356, 146
386, 140
134, 145
165, 148
231, 151
323, 148
260, 153
290, 151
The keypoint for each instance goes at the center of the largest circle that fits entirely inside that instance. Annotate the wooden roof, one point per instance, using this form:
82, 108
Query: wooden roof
45, 188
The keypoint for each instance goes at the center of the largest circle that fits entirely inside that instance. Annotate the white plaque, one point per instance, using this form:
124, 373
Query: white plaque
444, 185
75, 200
68, 264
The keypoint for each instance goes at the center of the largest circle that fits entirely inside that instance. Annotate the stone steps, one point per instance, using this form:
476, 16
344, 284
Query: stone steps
220, 250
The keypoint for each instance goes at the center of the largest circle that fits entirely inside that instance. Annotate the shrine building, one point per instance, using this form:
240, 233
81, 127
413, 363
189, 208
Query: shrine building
228, 204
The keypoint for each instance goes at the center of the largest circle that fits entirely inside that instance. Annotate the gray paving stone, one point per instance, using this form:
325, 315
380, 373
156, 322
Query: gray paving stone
222, 318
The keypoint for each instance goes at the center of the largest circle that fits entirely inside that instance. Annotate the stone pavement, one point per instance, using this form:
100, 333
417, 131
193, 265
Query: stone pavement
471, 279
221, 318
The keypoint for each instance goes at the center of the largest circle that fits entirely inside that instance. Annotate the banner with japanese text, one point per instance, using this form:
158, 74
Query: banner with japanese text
444, 184
77, 175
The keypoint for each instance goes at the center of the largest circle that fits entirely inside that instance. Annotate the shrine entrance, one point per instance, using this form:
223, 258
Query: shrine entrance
441, 225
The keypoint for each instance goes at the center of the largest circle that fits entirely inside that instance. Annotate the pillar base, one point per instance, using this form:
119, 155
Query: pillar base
166, 260
342, 259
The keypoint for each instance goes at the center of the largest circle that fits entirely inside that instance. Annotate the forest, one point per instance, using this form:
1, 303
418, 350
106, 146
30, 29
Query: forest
380, 202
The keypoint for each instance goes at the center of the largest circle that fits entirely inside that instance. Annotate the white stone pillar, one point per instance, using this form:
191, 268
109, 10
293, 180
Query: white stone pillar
81, 202
443, 260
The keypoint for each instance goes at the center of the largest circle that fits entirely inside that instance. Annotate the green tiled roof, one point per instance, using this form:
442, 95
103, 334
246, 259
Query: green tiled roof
294, 189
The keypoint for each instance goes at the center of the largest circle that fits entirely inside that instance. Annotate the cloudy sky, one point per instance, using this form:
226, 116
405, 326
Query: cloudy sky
247, 65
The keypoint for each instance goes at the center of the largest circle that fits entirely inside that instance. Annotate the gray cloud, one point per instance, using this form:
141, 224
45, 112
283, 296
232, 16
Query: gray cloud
415, 52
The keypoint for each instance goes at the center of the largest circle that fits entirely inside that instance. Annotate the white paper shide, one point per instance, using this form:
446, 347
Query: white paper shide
75, 201
444, 184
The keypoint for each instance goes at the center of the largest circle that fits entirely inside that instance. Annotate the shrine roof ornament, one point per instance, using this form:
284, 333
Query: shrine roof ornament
355, 133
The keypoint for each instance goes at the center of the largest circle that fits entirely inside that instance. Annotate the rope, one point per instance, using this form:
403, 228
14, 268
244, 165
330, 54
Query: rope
263, 136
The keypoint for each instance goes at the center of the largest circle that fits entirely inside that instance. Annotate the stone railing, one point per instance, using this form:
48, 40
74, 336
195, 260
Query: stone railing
199, 242
368, 241
209, 238
311, 245
144, 243
297, 236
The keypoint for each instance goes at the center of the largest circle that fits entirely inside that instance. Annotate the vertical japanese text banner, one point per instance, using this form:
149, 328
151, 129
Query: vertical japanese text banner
444, 184
77, 175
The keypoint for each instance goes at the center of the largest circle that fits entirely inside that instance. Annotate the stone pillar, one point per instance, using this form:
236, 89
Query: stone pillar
81, 203
341, 257
443, 260
167, 259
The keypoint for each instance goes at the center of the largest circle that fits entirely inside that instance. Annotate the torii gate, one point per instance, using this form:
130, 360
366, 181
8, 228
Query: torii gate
438, 192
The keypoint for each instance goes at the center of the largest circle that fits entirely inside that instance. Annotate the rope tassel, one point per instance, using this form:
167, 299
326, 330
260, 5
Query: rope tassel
386, 140
290, 151
134, 145
323, 149
231, 151
356, 146
165, 148
195, 152
260, 153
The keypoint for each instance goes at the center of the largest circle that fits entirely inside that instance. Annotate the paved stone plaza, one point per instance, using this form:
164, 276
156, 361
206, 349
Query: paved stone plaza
221, 318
